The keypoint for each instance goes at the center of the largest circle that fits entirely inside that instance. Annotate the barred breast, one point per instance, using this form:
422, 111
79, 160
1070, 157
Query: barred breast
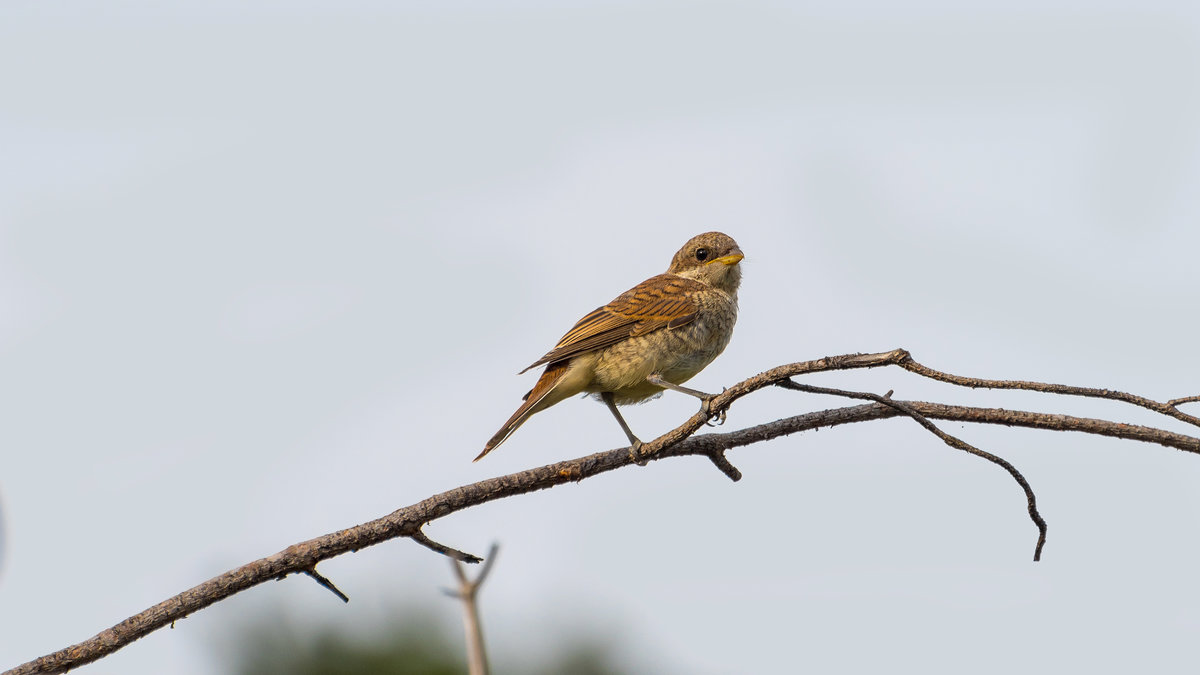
677, 354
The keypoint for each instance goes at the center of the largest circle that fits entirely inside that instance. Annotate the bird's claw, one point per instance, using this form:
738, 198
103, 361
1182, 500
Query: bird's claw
705, 407
635, 453
715, 419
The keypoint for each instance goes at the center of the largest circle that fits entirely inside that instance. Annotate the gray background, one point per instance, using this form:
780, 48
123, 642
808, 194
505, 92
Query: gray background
269, 271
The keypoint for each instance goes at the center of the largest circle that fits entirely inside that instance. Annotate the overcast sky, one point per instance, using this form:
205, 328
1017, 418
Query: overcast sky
270, 271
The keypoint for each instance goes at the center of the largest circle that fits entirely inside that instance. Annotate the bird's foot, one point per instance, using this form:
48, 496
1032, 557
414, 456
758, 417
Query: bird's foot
635, 453
705, 407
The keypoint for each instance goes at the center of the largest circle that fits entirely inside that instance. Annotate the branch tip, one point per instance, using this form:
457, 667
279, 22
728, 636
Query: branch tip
719, 460
466, 587
487, 565
454, 553
322, 580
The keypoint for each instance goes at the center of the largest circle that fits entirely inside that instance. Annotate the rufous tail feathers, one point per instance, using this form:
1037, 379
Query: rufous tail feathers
545, 384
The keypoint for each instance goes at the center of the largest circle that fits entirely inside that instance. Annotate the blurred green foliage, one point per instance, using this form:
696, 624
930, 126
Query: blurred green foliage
414, 645
277, 650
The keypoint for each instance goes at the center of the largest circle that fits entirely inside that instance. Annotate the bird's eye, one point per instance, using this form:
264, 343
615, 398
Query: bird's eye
702, 254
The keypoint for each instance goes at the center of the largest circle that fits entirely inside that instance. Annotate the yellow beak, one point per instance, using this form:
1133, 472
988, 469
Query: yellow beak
733, 258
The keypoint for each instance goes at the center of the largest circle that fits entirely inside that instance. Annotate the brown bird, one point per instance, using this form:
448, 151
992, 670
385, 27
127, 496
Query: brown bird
654, 336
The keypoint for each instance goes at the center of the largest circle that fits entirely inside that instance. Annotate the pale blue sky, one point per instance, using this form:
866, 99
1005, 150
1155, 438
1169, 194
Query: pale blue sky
269, 271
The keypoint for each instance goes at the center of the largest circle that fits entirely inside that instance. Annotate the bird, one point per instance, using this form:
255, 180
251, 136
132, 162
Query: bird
653, 337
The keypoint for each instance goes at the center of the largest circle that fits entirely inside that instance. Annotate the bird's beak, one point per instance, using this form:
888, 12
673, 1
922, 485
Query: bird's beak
735, 256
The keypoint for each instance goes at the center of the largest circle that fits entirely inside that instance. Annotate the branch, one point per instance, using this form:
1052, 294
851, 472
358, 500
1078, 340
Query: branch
408, 521
1168, 408
1186, 399
952, 441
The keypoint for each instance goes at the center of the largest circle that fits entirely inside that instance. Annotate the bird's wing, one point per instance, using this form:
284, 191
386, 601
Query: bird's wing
664, 301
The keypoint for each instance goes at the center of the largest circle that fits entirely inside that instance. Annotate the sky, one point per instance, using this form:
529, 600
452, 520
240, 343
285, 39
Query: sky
270, 271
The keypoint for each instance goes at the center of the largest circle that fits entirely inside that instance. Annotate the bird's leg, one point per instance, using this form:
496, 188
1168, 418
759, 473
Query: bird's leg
657, 380
635, 444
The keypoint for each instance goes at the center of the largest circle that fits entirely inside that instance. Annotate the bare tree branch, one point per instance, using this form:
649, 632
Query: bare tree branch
1167, 408
952, 441
407, 522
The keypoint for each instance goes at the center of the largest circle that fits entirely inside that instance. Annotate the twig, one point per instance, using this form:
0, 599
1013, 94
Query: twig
467, 592
719, 459
406, 521
452, 553
1167, 408
321, 579
952, 441
1180, 401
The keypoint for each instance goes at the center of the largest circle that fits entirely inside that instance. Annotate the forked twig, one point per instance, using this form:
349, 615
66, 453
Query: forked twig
952, 441
467, 592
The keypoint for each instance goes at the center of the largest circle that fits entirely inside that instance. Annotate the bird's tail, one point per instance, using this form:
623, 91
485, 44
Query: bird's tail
545, 384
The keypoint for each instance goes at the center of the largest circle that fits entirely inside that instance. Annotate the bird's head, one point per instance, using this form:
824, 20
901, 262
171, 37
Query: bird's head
711, 258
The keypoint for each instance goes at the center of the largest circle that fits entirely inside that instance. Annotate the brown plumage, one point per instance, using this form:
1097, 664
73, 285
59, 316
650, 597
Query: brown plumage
656, 335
